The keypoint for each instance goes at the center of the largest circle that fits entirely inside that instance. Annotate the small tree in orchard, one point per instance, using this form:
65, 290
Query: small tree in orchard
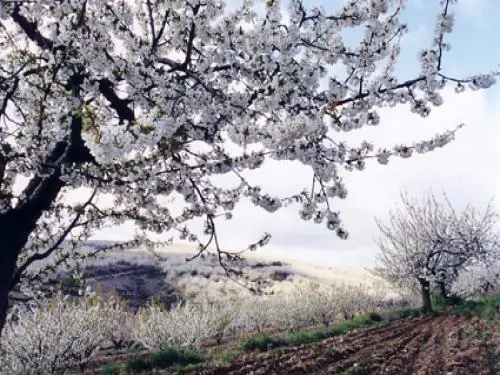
428, 244
145, 101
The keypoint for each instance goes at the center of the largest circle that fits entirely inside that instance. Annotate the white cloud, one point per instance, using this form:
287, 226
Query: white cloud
467, 169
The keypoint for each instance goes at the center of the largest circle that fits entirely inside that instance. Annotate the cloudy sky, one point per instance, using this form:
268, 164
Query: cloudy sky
467, 169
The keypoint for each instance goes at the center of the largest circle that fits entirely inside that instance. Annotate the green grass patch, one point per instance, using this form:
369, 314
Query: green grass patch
404, 314
455, 305
376, 317
465, 307
172, 357
138, 364
230, 356
262, 343
302, 337
110, 369
266, 342
487, 307
343, 328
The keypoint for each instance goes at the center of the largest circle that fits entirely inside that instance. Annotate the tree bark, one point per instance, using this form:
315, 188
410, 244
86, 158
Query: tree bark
443, 292
425, 290
16, 225
8, 258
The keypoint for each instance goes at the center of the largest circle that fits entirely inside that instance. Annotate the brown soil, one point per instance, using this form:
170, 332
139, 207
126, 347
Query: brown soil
447, 345
424, 346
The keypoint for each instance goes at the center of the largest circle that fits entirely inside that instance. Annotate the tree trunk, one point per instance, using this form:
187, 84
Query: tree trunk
425, 290
16, 225
8, 260
443, 292
12, 243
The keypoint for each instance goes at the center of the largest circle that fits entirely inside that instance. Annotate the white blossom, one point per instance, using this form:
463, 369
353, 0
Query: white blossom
134, 100
429, 244
54, 334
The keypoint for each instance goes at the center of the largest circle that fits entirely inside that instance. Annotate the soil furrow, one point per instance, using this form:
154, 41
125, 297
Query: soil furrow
373, 356
447, 345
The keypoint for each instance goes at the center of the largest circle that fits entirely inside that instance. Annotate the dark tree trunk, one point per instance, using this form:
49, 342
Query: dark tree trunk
425, 291
16, 225
443, 292
8, 258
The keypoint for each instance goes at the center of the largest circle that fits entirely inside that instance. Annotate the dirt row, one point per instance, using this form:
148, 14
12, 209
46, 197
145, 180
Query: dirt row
430, 345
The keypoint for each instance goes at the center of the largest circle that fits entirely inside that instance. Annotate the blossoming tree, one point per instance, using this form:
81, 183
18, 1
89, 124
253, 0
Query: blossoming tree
429, 244
148, 99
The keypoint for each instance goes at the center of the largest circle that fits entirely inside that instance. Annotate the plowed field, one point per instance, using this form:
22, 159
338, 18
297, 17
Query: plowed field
430, 345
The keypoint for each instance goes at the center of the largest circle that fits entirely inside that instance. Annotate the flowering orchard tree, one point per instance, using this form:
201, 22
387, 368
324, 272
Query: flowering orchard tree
145, 100
430, 244
48, 336
478, 280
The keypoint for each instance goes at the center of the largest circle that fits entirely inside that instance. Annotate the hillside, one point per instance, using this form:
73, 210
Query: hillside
138, 275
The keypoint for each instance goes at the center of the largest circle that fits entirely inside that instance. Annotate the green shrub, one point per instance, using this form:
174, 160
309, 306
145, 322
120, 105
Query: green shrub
375, 317
454, 304
324, 333
191, 357
454, 300
489, 307
465, 307
439, 302
362, 320
138, 364
300, 337
190, 368
230, 356
405, 313
163, 359
172, 355
110, 369
262, 343
411, 313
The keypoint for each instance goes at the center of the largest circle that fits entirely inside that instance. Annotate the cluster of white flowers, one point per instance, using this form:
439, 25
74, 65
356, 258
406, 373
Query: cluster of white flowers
139, 99
186, 324
309, 304
477, 280
314, 304
428, 244
183, 325
54, 334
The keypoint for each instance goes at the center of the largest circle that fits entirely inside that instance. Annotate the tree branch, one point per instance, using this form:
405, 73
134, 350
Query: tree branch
39, 256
